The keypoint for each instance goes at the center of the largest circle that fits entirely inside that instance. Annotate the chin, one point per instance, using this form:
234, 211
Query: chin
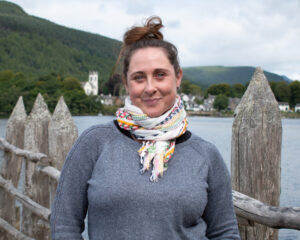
153, 114
156, 113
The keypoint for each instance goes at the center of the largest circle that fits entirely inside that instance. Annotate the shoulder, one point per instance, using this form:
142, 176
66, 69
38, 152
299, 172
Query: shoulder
91, 142
202, 146
208, 151
97, 134
98, 128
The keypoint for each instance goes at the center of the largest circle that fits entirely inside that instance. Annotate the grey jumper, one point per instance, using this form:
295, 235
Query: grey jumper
101, 176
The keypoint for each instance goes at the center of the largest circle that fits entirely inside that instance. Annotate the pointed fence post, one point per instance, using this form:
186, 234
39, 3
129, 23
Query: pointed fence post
11, 165
62, 134
36, 184
256, 151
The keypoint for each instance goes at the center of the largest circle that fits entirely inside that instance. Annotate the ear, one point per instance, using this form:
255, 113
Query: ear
179, 78
124, 80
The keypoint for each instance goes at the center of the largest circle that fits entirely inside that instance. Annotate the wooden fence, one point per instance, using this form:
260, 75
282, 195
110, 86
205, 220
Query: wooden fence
41, 142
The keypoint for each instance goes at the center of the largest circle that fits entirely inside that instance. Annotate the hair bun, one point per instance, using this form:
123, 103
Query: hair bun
151, 29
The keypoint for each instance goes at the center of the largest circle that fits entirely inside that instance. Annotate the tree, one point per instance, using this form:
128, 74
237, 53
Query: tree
221, 102
189, 88
238, 90
51, 86
281, 91
71, 83
114, 84
295, 93
220, 88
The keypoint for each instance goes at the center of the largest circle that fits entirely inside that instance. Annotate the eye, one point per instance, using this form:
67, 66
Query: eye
138, 77
160, 75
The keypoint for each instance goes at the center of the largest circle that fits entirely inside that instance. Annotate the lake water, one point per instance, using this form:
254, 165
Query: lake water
218, 131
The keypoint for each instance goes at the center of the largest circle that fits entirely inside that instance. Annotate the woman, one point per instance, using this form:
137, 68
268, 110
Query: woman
145, 176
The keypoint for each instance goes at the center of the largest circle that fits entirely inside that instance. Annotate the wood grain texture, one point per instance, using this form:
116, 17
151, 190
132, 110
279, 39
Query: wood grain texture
11, 165
9, 232
36, 184
34, 207
271, 216
62, 134
256, 150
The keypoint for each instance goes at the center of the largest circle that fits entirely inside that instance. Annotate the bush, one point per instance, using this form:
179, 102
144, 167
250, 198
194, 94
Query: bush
221, 102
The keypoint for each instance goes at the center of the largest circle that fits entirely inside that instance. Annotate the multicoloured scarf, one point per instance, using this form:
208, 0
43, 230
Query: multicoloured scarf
158, 134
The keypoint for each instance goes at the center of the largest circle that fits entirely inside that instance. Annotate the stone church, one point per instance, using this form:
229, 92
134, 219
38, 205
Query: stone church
91, 86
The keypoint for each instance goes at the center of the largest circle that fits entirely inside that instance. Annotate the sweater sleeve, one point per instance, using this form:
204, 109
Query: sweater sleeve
70, 203
219, 213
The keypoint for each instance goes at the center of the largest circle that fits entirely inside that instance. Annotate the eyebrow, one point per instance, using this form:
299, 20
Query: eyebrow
136, 73
155, 70
161, 69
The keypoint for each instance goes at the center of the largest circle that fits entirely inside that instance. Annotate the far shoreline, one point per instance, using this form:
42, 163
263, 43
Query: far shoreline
214, 114
284, 115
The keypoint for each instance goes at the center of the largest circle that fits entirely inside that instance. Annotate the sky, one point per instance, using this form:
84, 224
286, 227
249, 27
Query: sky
263, 33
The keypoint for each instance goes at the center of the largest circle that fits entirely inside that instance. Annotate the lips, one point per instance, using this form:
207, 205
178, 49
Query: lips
151, 101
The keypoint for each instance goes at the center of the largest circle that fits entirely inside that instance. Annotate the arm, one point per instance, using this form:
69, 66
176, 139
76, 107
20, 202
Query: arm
219, 213
70, 204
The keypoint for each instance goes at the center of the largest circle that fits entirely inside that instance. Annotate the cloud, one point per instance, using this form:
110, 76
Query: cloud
250, 32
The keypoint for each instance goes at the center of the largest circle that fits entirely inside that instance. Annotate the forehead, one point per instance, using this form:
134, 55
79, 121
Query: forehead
147, 59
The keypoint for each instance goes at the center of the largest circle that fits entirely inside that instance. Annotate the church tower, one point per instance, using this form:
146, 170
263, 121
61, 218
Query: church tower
93, 80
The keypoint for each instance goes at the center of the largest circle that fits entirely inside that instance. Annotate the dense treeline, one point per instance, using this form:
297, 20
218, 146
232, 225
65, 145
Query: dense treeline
51, 86
189, 88
54, 85
235, 90
283, 91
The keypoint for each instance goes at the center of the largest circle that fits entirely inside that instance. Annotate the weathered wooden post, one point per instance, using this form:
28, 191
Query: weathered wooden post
36, 184
62, 134
256, 151
11, 165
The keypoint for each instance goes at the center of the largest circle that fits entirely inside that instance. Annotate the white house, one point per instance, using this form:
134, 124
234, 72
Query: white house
283, 106
91, 86
209, 103
107, 100
190, 103
297, 107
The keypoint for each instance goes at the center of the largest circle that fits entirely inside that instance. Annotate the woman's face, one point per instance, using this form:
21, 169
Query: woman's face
151, 81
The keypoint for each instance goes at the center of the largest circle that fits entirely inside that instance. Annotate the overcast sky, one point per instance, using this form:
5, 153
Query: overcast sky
262, 33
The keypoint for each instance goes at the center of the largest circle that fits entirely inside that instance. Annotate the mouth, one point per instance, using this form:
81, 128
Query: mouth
151, 101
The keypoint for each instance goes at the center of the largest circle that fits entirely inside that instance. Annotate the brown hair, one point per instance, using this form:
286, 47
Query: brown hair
148, 35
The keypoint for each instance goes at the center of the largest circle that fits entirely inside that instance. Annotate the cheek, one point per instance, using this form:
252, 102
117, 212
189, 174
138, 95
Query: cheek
169, 87
135, 90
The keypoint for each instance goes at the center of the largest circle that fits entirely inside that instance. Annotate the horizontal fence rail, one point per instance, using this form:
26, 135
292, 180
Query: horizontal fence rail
271, 216
17, 235
34, 207
34, 157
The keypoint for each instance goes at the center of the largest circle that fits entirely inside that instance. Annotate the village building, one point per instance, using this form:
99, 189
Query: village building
190, 103
107, 100
209, 103
297, 107
91, 86
284, 106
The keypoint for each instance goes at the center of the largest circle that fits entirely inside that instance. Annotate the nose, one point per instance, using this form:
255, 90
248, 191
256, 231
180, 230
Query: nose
150, 87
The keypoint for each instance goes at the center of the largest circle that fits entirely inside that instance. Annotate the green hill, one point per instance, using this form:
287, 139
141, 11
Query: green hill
37, 46
206, 76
